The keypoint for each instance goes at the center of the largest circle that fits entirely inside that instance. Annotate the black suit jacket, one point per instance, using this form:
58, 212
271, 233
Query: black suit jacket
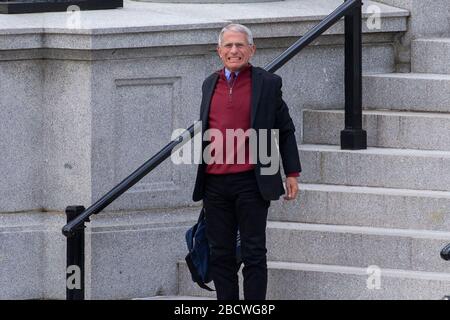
268, 111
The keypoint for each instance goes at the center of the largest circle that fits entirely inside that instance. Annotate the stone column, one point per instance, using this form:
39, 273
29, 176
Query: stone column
427, 18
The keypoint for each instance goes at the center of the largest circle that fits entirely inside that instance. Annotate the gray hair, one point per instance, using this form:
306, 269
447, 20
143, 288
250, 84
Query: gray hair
236, 28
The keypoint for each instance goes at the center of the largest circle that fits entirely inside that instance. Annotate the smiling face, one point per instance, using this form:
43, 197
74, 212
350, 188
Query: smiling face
235, 51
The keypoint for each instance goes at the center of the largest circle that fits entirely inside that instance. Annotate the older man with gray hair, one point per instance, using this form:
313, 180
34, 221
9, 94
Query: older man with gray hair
236, 196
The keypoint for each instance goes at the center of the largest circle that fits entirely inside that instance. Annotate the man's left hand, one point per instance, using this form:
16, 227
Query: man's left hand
291, 188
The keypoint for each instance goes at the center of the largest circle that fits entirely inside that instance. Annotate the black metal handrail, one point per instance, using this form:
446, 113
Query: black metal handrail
352, 137
445, 254
127, 183
313, 34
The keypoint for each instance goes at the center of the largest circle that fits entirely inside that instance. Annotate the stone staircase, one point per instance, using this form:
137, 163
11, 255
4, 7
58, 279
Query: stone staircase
387, 207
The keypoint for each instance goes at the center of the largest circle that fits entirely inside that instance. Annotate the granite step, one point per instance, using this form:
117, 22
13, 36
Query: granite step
406, 249
366, 206
407, 91
430, 55
386, 129
376, 167
175, 298
303, 281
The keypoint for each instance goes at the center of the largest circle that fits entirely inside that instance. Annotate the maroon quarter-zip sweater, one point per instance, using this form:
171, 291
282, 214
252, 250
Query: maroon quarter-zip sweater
231, 109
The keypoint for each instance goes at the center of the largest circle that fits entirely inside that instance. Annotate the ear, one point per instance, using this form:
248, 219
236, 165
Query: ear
254, 50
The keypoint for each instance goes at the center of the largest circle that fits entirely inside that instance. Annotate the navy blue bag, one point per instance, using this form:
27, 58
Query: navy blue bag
198, 257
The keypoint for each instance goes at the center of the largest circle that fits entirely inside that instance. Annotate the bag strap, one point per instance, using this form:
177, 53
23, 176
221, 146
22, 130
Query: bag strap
201, 215
194, 274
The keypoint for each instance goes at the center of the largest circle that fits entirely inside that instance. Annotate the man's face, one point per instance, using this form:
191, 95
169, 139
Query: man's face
235, 51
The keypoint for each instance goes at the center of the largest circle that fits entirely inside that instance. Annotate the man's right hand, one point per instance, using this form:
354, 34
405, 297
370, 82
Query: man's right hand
291, 188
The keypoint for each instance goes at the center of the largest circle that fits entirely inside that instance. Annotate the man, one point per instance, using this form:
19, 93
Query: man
236, 196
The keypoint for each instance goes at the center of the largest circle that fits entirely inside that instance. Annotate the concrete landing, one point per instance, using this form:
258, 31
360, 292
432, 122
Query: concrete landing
175, 16
178, 24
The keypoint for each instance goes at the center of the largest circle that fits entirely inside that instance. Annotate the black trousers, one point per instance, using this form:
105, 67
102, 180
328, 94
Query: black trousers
233, 201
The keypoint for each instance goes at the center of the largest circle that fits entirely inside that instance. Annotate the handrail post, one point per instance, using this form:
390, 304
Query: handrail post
445, 254
75, 257
353, 137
